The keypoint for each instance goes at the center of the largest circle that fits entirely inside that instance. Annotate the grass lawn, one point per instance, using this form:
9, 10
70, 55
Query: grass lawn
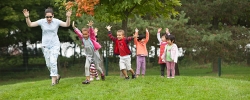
192, 84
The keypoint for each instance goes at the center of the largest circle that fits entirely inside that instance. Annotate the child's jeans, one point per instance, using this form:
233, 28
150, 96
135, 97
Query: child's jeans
141, 63
170, 67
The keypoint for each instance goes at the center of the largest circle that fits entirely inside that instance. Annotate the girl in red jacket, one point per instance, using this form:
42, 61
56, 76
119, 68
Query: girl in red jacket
162, 40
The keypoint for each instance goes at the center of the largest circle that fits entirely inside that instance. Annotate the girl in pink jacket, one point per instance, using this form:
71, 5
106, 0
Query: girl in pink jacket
91, 47
170, 55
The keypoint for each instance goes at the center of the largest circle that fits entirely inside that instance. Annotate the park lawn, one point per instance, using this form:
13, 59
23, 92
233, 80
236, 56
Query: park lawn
197, 83
150, 87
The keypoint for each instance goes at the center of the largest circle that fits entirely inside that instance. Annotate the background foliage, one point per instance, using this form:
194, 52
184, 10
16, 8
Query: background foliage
205, 29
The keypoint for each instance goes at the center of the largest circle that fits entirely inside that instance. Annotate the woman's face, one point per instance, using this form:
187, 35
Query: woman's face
49, 17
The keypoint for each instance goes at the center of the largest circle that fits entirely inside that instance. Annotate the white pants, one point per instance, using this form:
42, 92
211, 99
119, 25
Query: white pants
125, 62
51, 55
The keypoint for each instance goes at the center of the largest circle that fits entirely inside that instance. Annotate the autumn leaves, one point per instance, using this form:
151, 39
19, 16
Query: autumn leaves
83, 6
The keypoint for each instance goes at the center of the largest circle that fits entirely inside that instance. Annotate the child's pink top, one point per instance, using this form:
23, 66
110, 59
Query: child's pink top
141, 48
92, 37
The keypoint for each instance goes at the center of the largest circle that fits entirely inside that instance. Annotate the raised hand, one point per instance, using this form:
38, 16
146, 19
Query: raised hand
136, 30
68, 13
135, 35
167, 30
90, 23
73, 24
96, 30
147, 30
26, 13
108, 27
159, 30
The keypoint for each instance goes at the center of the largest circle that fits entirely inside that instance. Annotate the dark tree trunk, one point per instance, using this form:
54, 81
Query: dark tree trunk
25, 56
125, 25
36, 52
177, 69
215, 65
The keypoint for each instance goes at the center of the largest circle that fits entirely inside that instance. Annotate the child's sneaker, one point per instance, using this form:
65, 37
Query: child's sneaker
133, 76
127, 78
103, 76
91, 79
86, 82
97, 78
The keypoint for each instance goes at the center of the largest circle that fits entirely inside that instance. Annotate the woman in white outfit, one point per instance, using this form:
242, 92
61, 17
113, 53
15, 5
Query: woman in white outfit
50, 40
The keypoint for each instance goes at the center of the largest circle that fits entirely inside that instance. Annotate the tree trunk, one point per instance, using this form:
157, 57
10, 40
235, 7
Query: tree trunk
177, 69
215, 65
36, 51
125, 25
25, 56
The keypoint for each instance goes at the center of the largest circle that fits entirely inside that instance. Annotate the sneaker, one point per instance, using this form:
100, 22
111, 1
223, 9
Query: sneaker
86, 82
133, 76
97, 78
91, 79
127, 78
103, 76
53, 84
168, 77
57, 80
171, 77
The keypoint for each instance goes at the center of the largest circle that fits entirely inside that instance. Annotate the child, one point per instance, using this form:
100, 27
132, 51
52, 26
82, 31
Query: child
162, 42
141, 52
121, 48
170, 55
93, 72
91, 48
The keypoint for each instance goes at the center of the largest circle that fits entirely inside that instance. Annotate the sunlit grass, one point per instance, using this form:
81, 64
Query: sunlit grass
115, 88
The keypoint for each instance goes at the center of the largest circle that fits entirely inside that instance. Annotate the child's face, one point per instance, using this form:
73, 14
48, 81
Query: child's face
120, 35
169, 42
163, 39
85, 34
142, 40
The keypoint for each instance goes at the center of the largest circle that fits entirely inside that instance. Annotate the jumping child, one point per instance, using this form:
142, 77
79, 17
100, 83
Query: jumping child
141, 52
91, 48
121, 48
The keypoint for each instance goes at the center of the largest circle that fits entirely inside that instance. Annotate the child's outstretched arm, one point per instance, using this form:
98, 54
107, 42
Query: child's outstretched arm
147, 36
110, 34
77, 31
158, 35
96, 31
135, 36
91, 31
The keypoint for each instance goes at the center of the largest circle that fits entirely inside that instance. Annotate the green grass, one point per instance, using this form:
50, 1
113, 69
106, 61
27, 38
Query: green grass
196, 83
115, 88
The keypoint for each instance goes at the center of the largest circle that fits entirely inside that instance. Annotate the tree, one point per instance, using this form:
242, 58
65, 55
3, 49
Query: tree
224, 33
116, 10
